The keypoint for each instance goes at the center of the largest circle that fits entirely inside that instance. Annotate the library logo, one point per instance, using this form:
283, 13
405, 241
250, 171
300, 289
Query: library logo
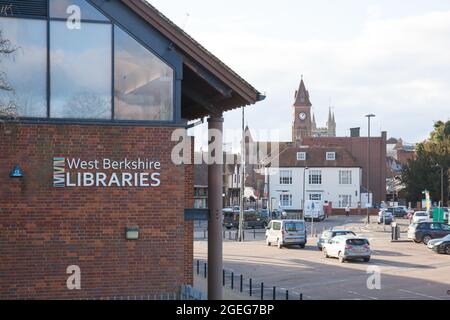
59, 172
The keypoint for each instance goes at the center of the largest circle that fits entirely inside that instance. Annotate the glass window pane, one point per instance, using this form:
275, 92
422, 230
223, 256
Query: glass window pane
80, 62
62, 9
25, 70
144, 83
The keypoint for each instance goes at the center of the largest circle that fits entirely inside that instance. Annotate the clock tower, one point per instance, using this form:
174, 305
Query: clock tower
301, 126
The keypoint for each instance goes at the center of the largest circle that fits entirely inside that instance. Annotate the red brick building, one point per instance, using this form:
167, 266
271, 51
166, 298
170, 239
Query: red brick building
92, 143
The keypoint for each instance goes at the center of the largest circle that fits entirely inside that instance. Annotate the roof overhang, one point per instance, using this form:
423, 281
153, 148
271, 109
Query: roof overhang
209, 86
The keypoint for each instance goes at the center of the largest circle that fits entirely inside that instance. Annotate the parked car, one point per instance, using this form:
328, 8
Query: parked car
264, 213
286, 233
329, 234
385, 216
348, 248
436, 242
252, 220
420, 216
398, 212
442, 247
426, 231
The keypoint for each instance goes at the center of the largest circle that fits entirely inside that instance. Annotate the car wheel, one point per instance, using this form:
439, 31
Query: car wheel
325, 253
366, 259
426, 239
341, 258
447, 249
279, 244
302, 246
268, 242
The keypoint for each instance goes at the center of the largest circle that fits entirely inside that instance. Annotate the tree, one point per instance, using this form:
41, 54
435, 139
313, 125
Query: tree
8, 108
421, 174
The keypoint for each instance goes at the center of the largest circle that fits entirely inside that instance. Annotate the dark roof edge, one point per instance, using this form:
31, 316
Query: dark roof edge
191, 47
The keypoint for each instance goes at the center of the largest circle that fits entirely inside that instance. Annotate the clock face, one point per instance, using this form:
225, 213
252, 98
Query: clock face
302, 116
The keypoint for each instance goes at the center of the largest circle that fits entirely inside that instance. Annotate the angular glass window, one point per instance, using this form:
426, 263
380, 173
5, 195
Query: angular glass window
81, 75
23, 73
143, 82
75, 10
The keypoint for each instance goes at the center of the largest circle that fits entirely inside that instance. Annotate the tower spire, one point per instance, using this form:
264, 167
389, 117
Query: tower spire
302, 96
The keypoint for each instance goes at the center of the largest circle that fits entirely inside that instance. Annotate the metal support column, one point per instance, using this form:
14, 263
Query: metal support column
215, 191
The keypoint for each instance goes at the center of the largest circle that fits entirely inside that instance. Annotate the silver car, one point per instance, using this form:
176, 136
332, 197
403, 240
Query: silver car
437, 242
348, 248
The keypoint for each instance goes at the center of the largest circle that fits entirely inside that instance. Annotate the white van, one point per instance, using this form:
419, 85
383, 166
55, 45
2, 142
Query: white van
286, 233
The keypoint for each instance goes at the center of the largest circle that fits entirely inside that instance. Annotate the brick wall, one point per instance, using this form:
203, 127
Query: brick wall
46, 229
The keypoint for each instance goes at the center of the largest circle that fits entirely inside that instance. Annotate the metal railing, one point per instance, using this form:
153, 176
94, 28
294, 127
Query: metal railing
248, 286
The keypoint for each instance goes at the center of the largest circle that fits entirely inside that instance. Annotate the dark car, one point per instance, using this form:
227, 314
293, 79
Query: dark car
426, 231
398, 212
252, 220
442, 247
329, 234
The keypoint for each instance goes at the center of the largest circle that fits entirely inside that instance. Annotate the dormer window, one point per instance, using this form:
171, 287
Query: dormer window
301, 156
331, 156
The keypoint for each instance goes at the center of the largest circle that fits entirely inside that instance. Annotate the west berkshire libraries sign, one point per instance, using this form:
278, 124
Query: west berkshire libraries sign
105, 173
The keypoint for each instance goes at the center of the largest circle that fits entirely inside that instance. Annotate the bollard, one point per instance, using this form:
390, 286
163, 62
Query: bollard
274, 293
262, 290
224, 233
250, 284
229, 235
223, 276
301, 296
254, 233
204, 234
242, 280
198, 267
232, 281
287, 294
205, 270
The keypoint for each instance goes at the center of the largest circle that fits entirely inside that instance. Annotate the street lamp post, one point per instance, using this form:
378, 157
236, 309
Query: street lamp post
369, 116
304, 193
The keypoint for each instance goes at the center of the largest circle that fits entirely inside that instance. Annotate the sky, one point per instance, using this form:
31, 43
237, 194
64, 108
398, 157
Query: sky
386, 57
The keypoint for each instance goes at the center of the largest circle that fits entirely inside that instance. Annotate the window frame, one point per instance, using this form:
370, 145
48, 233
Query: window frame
312, 174
289, 178
301, 156
330, 156
349, 177
176, 116
290, 200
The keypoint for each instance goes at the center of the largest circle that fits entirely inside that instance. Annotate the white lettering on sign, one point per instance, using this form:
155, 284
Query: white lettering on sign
73, 172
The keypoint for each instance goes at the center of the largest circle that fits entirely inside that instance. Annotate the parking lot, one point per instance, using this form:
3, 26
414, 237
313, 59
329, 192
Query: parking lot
407, 270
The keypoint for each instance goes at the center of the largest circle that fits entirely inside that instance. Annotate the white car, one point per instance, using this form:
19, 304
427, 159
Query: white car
286, 233
348, 248
437, 242
420, 216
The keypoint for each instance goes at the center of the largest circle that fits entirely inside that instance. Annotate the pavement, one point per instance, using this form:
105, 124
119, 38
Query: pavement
408, 271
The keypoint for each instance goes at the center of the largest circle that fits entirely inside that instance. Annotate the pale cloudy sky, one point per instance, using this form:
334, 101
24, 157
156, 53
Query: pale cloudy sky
387, 57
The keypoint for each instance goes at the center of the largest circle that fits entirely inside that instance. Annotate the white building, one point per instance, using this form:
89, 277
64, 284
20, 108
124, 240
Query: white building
316, 173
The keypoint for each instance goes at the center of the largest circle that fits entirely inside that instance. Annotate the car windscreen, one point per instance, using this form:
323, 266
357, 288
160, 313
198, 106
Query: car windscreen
357, 242
343, 233
294, 226
421, 214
